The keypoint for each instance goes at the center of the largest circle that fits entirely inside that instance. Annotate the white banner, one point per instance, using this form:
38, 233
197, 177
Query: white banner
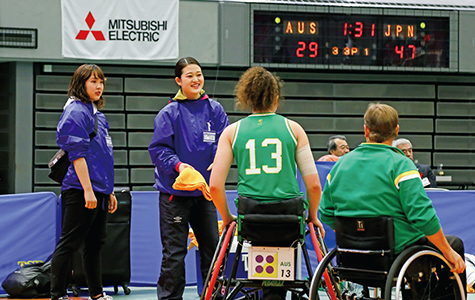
125, 29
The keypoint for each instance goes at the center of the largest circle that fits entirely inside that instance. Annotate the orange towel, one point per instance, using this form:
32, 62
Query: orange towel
190, 180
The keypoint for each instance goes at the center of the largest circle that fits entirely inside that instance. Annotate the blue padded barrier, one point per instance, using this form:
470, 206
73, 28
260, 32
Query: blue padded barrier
455, 209
145, 243
28, 226
27, 230
323, 168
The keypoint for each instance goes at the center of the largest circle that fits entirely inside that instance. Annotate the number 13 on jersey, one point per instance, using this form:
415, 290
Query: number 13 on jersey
277, 156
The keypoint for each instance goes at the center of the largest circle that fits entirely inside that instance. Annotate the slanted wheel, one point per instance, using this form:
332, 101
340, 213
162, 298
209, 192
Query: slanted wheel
216, 274
328, 281
325, 283
422, 273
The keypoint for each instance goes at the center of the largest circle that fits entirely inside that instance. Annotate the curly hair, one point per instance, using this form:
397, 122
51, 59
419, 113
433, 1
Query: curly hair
77, 86
382, 121
257, 90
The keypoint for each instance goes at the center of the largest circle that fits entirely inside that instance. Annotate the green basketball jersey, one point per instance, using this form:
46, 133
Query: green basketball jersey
264, 147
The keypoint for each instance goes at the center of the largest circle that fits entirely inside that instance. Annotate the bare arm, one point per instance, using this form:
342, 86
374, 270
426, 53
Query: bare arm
222, 163
453, 257
311, 180
82, 171
314, 193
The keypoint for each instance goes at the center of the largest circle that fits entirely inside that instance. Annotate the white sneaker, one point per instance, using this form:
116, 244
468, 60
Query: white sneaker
103, 297
63, 298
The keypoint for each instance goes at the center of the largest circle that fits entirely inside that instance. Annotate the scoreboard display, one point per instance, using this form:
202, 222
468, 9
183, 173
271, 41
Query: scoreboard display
337, 39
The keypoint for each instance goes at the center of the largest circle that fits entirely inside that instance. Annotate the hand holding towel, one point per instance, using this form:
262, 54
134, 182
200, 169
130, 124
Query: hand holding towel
190, 180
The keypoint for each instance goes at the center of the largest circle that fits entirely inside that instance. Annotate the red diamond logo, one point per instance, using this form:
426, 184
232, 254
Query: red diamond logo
90, 20
98, 35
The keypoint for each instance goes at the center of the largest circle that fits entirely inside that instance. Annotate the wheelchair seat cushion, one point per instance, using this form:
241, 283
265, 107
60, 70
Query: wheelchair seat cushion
374, 233
293, 206
364, 244
276, 223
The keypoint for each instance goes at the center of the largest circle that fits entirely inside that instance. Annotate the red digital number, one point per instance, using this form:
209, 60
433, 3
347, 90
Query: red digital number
413, 50
313, 46
300, 49
345, 30
358, 29
399, 51
372, 30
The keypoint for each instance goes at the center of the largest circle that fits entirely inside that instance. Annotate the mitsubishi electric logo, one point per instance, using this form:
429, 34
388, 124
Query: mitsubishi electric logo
131, 30
123, 30
82, 35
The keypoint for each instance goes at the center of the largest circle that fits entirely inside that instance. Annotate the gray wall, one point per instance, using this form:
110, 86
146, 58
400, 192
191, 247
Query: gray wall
436, 113
436, 109
198, 32
215, 32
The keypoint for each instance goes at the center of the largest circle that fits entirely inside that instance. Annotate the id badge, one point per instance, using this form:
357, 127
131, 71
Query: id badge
209, 136
109, 141
425, 181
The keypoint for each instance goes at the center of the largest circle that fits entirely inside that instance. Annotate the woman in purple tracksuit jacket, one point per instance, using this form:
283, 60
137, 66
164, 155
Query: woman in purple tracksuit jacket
186, 134
87, 191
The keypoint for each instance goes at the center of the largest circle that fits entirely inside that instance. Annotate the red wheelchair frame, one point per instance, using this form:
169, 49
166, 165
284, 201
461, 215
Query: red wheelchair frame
224, 287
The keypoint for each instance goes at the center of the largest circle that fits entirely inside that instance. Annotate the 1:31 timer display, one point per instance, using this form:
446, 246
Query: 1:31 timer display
362, 40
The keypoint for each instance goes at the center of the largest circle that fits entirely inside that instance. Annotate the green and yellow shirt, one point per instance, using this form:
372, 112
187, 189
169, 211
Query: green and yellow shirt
378, 180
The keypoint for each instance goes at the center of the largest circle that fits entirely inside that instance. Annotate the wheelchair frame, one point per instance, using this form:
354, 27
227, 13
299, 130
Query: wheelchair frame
420, 271
228, 287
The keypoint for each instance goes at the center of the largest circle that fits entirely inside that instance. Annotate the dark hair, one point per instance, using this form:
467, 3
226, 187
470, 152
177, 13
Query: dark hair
382, 121
257, 89
182, 63
77, 86
331, 144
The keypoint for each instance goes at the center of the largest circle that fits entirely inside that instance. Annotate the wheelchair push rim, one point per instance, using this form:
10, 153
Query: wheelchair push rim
331, 287
396, 292
214, 271
321, 251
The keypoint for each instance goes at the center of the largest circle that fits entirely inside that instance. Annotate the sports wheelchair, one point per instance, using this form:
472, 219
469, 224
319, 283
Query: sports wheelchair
367, 268
274, 234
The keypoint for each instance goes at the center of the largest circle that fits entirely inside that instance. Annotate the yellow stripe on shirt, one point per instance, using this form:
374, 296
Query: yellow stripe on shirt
290, 131
406, 176
235, 133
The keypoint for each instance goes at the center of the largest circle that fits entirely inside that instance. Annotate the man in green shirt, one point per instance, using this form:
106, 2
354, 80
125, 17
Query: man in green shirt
377, 179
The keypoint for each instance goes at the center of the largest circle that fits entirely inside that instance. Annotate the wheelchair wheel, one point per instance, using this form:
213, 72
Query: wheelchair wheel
422, 273
215, 283
329, 283
325, 283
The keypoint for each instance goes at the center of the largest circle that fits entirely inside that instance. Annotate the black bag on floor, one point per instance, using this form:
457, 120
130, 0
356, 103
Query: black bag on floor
29, 281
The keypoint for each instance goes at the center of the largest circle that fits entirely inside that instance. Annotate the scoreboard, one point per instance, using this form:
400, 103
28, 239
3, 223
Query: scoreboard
383, 39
